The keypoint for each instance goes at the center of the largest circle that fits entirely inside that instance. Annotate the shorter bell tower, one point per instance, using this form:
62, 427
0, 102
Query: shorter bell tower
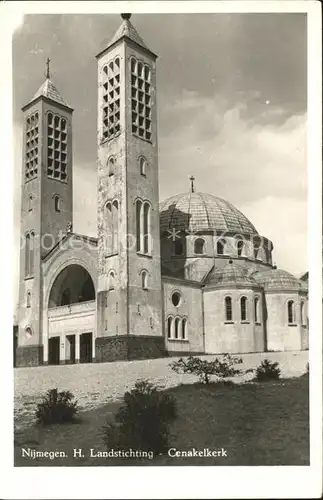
46, 205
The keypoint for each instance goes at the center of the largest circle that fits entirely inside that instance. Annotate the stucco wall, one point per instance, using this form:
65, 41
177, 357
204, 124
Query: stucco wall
280, 335
190, 307
231, 336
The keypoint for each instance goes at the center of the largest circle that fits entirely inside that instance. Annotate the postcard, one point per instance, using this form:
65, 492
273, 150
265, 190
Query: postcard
166, 263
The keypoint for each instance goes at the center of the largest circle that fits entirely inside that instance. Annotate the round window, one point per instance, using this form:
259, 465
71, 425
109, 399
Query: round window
176, 298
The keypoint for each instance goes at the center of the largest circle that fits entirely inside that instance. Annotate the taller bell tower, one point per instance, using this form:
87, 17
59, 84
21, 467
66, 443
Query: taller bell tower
129, 268
46, 206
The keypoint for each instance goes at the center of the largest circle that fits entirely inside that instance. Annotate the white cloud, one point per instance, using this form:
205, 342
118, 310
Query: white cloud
257, 164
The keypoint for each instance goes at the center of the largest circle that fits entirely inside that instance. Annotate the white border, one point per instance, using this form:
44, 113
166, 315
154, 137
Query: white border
170, 482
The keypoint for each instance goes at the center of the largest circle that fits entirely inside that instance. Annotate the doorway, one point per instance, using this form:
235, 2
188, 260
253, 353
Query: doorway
53, 350
70, 349
86, 348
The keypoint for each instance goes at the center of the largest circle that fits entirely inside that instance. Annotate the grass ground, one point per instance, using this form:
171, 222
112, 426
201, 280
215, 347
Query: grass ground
256, 423
97, 384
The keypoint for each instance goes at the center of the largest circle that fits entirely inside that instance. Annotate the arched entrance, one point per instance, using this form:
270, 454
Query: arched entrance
71, 317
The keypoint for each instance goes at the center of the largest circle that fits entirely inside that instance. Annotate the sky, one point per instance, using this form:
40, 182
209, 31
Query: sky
232, 111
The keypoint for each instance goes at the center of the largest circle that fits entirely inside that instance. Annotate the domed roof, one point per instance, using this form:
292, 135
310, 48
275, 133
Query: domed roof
201, 211
278, 279
230, 275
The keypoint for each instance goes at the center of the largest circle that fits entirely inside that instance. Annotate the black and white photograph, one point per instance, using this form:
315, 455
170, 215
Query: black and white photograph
162, 258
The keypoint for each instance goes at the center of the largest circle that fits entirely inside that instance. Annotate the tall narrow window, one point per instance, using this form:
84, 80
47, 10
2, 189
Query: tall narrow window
256, 246
111, 166
256, 305
169, 327
111, 280
57, 203
240, 247
27, 252
31, 253
142, 165
302, 314
199, 246
243, 308
109, 228
228, 309
138, 224
146, 228
115, 224
291, 311
144, 280
28, 299
177, 321
30, 203
184, 327
220, 247
143, 227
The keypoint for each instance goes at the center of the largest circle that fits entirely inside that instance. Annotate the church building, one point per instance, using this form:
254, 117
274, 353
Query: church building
189, 275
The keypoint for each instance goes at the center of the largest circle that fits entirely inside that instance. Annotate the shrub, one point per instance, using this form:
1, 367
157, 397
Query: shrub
56, 408
268, 370
142, 422
307, 368
222, 367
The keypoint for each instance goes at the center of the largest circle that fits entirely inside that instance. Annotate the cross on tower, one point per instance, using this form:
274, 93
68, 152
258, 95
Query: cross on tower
47, 68
192, 179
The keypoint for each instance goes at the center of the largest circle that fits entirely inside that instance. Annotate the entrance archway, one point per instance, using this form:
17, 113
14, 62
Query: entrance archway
71, 329
73, 285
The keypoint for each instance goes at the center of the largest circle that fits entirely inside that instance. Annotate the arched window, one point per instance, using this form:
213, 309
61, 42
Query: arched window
178, 247
111, 165
176, 299
143, 227
144, 280
109, 228
66, 297
228, 309
177, 321
199, 246
291, 312
31, 253
243, 308
239, 247
30, 203
115, 224
303, 322
146, 228
256, 246
184, 328
169, 327
27, 252
28, 332
111, 280
57, 203
143, 165
220, 247
256, 306
138, 224
28, 299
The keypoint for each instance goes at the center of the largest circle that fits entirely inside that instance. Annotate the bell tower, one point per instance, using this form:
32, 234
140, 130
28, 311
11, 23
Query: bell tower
46, 205
129, 268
